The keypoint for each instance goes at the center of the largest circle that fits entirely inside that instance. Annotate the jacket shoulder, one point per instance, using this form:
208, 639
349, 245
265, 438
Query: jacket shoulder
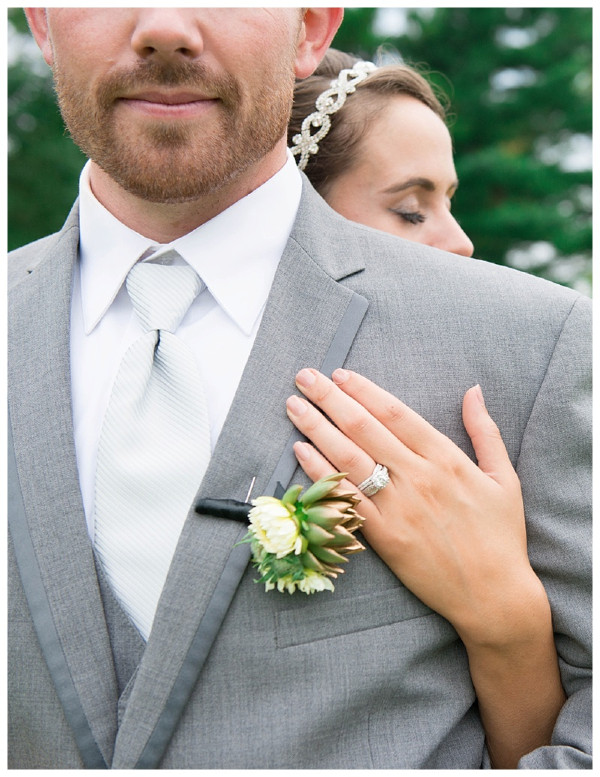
392, 270
23, 260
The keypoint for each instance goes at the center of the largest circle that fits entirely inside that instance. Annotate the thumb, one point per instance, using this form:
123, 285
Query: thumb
492, 456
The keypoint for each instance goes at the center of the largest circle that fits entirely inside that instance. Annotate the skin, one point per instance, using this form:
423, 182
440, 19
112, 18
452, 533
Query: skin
114, 62
453, 533
125, 65
403, 178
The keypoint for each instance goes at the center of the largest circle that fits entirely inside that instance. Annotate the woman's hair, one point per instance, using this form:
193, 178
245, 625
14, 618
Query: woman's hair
337, 150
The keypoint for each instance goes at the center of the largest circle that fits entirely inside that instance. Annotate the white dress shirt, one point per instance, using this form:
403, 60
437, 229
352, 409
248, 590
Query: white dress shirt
236, 254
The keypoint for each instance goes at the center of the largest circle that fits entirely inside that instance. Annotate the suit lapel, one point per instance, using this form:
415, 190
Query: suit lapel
303, 314
40, 408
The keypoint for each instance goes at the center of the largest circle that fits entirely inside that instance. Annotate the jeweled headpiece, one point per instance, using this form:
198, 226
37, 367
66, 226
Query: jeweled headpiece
328, 102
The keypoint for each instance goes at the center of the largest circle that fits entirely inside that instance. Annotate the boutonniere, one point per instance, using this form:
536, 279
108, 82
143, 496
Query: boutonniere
300, 540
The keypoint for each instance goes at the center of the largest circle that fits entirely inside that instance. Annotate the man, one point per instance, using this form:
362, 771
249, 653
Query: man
143, 641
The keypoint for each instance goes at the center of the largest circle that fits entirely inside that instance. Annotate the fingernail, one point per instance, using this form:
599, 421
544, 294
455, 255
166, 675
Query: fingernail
339, 376
296, 406
302, 451
306, 378
479, 394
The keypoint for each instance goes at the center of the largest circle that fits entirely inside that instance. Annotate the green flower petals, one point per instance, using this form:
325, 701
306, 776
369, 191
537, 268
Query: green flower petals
323, 516
315, 534
321, 488
310, 561
327, 555
342, 538
300, 540
291, 495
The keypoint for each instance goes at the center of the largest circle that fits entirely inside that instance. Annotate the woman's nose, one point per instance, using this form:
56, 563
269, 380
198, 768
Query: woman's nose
453, 238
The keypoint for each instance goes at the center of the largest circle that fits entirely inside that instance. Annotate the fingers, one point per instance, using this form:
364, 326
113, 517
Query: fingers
337, 449
489, 447
368, 426
316, 466
403, 422
355, 441
312, 462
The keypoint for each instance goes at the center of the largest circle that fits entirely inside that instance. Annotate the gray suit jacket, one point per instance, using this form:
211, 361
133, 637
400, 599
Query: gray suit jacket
366, 677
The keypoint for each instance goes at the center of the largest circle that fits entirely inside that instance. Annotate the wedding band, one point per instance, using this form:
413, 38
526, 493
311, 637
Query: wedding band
378, 479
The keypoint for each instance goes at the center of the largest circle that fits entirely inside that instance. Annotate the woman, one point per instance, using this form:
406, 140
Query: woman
377, 149
386, 160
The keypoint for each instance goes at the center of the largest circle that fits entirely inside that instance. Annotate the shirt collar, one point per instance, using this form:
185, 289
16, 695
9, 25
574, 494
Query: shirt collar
236, 253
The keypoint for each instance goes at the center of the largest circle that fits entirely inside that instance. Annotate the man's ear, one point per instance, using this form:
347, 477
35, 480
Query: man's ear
38, 24
319, 25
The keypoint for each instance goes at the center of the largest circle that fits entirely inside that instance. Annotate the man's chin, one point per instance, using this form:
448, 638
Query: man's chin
173, 173
179, 186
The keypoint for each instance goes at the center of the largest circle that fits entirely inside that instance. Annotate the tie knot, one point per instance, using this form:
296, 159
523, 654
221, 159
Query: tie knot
161, 294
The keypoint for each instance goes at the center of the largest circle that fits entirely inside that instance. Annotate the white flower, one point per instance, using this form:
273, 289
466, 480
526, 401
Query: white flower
299, 541
274, 527
312, 582
286, 584
315, 581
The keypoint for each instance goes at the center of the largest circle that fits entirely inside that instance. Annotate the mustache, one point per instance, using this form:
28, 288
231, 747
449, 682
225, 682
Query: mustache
192, 75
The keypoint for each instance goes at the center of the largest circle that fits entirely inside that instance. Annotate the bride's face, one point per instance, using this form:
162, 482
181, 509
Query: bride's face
403, 178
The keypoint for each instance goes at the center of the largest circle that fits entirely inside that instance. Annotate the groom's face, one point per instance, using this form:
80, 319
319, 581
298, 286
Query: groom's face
172, 103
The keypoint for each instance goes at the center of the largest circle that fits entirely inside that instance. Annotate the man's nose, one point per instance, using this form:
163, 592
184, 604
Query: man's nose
167, 33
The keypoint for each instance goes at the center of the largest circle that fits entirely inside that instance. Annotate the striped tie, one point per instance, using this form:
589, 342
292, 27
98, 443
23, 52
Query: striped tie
154, 445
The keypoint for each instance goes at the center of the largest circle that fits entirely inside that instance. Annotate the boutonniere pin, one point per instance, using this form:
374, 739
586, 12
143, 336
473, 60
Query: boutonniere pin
300, 540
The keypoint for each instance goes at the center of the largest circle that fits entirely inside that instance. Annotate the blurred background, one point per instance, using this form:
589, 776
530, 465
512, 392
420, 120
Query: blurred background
519, 81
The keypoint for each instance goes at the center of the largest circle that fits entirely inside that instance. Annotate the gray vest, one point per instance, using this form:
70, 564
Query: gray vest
125, 641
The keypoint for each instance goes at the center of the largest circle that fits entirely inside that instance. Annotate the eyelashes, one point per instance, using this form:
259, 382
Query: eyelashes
410, 216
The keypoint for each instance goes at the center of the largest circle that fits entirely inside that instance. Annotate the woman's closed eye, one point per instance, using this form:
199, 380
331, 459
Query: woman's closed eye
410, 216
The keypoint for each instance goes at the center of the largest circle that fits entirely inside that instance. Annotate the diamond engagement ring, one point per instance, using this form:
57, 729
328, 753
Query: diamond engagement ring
378, 479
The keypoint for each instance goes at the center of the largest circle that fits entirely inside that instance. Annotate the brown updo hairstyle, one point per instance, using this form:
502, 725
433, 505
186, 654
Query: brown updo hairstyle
337, 151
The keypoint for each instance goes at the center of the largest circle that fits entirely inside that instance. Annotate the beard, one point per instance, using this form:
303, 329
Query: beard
176, 161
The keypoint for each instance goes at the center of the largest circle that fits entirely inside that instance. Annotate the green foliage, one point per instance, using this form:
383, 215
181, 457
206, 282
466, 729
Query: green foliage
17, 20
356, 35
43, 163
519, 80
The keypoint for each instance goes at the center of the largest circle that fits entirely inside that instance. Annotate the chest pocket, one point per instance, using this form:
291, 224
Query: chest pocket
334, 617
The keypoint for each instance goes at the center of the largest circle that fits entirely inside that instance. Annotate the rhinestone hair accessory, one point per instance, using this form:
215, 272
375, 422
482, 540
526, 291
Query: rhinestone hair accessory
327, 103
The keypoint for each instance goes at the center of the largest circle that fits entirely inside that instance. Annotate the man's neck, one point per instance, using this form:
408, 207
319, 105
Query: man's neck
164, 223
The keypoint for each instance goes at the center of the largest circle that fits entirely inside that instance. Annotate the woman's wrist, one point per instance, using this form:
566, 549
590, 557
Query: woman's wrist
507, 621
517, 681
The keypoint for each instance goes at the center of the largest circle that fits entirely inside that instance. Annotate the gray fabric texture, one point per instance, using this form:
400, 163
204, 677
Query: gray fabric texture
366, 677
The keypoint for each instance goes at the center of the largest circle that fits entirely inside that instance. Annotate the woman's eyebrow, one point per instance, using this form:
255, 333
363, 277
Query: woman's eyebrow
424, 183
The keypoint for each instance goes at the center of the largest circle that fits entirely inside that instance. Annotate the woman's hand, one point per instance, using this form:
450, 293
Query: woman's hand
453, 532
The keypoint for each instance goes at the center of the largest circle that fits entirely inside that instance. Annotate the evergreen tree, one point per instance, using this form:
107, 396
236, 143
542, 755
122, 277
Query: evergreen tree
519, 81
43, 163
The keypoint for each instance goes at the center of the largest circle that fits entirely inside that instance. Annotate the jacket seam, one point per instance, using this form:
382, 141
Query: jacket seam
545, 375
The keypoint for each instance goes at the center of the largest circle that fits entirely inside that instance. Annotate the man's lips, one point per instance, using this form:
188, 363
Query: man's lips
168, 104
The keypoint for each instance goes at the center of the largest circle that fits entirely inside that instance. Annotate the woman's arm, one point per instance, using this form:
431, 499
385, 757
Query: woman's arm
454, 533
518, 688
